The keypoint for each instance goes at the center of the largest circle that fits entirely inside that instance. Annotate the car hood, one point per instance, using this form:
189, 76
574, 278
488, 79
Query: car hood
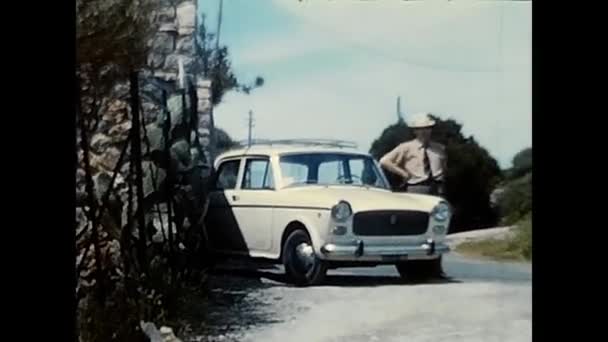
360, 198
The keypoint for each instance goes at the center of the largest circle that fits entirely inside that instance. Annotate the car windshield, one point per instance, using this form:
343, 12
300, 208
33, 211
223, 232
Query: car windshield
330, 169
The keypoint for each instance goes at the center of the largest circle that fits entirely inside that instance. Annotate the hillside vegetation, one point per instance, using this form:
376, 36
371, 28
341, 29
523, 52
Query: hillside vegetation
515, 209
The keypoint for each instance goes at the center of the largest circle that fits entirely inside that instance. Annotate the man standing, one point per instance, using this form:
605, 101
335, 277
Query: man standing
420, 163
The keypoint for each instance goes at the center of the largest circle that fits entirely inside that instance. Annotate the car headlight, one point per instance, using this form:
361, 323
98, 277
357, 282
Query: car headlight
341, 211
441, 212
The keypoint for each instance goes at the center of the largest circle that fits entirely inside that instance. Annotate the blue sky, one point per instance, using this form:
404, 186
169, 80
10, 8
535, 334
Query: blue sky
334, 68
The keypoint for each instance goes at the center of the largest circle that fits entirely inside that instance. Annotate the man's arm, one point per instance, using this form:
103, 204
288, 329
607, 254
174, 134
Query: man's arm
390, 162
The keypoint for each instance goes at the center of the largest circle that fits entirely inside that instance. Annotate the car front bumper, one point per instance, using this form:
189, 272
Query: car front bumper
359, 251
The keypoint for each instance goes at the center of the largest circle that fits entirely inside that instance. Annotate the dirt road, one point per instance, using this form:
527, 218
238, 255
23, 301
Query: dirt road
484, 301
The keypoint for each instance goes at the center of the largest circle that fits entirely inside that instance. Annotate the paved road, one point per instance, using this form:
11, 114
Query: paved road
484, 301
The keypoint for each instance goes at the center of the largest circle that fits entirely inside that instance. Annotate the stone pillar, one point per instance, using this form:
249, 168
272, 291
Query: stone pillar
172, 60
203, 92
175, 42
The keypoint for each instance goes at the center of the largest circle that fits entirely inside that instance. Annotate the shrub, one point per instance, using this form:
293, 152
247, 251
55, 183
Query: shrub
516, 200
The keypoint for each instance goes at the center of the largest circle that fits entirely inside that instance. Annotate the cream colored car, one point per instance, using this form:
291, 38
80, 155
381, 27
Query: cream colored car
313, 206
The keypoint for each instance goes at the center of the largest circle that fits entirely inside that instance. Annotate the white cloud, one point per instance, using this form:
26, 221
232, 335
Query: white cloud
278, 47
448, 35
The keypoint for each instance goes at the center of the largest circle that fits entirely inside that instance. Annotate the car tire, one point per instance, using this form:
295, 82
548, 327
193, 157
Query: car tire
299, 272
421, 269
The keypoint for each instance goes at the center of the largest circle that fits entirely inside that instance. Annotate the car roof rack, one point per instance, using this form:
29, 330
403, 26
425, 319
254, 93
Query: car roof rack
301, 142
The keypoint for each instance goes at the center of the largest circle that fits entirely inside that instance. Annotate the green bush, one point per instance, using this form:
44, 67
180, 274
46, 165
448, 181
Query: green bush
522, 163
515, 247
516, 200
522, 241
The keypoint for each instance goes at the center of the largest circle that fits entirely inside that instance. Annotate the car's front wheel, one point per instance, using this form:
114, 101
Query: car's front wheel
302, 265
421, 269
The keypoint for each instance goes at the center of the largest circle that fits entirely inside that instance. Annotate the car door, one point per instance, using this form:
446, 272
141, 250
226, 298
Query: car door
253, 206
223, 229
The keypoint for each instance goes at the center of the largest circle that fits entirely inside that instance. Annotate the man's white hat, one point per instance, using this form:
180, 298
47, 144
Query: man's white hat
421, 120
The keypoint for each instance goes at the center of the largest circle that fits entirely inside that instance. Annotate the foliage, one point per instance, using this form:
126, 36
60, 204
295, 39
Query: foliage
471, 175
113, 32
522, 242
214, 64
223, 140
515, 247
522, 163
516, 200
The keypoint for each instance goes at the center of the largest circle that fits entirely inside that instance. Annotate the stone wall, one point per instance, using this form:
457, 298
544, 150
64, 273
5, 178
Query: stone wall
172, 68
171, 72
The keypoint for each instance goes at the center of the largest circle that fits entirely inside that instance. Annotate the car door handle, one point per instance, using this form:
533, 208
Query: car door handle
235, 197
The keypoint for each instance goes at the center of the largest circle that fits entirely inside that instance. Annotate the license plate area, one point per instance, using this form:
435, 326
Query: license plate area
391, 257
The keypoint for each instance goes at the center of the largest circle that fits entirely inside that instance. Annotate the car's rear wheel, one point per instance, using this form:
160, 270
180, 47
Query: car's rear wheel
302, 265
421, 269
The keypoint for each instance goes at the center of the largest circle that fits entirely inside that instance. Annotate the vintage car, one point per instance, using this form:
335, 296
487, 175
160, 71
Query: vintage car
313, 206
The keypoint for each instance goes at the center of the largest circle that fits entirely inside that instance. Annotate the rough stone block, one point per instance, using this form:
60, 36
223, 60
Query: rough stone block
105, 161
180, 156
203, 105
185, 45
185, 31
100, 142
162, 44
172, 62
186, 16
166, 14
204, 136
153, 178
170, 28
155, 137
204, 121
203, 93
166, 76
203, 83
175, 106
156, 60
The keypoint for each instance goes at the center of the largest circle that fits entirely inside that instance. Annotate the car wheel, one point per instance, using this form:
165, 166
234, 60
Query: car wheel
302, 265
421, 269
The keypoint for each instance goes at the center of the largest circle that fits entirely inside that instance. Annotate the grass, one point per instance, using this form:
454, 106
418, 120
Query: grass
517, 247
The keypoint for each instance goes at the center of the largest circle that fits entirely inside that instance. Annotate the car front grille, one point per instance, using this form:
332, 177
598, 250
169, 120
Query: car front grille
386, 223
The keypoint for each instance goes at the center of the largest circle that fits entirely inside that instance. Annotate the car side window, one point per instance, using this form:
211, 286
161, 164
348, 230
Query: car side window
227, 175
258, 175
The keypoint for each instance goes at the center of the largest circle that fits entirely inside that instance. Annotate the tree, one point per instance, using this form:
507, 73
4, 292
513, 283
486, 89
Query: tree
214, 64
111, 38
522, 163
515, 202
111, 41
224, 141
471, 175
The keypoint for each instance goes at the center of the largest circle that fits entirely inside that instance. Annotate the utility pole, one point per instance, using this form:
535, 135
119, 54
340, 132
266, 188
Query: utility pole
219, 25
250, 124
399, 114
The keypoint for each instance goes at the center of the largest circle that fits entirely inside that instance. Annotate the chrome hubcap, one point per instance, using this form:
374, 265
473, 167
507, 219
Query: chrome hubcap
305, 255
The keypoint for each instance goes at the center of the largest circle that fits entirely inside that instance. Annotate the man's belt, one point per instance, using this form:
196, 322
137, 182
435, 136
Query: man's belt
429, 182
